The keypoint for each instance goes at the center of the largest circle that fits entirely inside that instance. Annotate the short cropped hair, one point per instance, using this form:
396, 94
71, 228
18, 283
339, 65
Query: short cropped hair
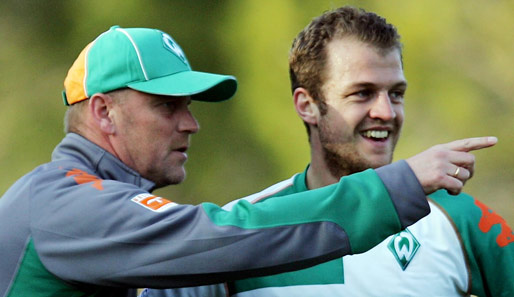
307, 57
73, 118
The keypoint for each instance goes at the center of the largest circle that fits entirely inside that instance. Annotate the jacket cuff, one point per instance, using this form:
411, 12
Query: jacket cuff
406, 192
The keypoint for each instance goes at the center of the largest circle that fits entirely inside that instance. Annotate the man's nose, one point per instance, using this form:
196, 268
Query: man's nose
382, 108
188, 123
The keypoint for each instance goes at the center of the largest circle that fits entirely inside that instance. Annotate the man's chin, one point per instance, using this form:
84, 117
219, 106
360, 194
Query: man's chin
379, 163
178, 178
172, 178
376, 160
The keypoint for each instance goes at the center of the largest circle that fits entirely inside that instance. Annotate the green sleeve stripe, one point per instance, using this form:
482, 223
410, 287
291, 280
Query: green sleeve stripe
323, 274
359, 203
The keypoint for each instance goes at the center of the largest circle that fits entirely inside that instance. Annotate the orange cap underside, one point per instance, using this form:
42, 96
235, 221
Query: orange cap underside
74, 82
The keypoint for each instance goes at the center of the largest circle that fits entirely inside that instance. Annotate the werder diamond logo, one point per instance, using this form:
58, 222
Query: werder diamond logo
171, 45
404, 246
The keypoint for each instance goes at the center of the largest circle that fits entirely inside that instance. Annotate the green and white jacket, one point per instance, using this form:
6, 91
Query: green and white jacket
462, 247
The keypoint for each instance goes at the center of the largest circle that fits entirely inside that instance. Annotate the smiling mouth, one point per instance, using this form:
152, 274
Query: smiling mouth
376, 135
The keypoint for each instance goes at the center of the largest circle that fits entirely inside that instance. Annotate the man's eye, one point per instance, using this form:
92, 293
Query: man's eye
363, 93
169, 105
397, 96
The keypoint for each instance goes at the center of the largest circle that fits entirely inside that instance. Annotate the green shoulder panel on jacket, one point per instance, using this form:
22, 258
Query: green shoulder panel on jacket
33, 279
488, 243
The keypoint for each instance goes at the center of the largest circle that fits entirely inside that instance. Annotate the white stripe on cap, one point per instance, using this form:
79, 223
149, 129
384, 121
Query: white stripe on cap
136, 49
86, 69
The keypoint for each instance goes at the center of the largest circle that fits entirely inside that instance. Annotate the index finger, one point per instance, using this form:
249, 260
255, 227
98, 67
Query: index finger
471, 144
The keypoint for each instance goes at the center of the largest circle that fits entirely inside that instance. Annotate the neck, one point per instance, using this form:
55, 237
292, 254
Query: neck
318, 174
318, 177
89, 129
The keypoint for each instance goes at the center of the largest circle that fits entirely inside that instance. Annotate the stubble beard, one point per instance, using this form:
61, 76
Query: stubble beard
341, 156
166, 179
166, 173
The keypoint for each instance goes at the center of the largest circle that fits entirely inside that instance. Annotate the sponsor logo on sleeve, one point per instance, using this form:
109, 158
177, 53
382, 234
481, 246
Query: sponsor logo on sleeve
404, 246
153, 203
489, 219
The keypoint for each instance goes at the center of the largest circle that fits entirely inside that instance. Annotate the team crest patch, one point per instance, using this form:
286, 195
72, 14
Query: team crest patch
172, 46
153, 203
404, 246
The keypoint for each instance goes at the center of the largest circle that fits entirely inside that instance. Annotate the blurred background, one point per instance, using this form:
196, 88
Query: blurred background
458, 56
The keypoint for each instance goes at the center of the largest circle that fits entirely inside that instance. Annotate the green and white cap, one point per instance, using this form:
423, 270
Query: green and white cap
146, 60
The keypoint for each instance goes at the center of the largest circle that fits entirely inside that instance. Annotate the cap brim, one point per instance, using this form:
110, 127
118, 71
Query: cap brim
200, 86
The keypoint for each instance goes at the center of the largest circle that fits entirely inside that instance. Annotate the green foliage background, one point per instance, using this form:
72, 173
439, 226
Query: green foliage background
459, 61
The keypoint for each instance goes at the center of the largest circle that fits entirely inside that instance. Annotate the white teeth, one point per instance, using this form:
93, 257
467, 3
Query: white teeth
376, 134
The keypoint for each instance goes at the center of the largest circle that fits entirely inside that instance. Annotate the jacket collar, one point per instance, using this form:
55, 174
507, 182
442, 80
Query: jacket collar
102, 163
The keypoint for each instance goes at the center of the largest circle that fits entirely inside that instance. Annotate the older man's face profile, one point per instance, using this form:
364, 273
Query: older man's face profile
152, 135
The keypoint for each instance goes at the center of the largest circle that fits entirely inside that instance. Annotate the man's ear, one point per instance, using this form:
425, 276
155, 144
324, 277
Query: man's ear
305, 106
100, 107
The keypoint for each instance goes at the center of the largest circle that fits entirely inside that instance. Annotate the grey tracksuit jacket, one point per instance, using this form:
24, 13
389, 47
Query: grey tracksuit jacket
85, 224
